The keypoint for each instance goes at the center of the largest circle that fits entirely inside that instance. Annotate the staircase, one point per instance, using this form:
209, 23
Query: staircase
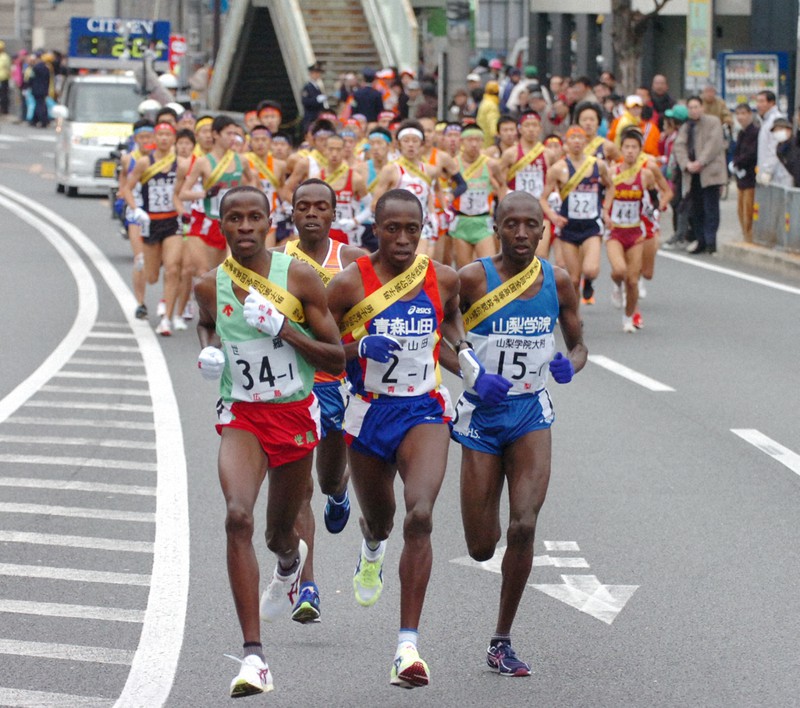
340, 37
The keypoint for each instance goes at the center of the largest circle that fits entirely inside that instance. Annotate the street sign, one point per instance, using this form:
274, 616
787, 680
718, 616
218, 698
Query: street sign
114, 43
177, 50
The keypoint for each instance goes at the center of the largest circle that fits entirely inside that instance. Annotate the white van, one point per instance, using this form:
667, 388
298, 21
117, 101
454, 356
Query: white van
96, 114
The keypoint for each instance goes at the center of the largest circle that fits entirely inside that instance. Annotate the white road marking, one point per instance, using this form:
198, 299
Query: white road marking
54, 609
105, 362
79, 462
70, 485
10, 139
108, 348
74, 574
94, 442
495, 563
22, 698
110, 335
85, 315
96, 391
77, 512
99, 544
563, 546
767, 445
70, 652
155, 662
85, 422
626, 373
84, 406
42, 138
587, 594
116, 376
110, 325
692, 260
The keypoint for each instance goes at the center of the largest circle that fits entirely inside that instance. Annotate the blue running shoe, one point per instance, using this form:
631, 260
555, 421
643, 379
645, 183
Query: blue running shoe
307, 607
503, 659
337, 513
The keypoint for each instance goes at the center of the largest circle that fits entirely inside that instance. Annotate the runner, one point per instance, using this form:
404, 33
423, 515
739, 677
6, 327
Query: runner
506, 137
210, 177
352, 200
264, 355
580, 181
184, 147
269, 170
393, 308
269, 114
510, 441
308, 164
314, 209
622, 212
471, 229
161, 234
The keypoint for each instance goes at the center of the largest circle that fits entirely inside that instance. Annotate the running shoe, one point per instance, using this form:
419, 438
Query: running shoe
179, 324
638, 322
408, 670
254, 677
627, 325
503, 659
307, 607
161, 308
188, 311
164, 328
617, 296
337, 513
141, 312
368, 578
281, 593
642, 289
587, 289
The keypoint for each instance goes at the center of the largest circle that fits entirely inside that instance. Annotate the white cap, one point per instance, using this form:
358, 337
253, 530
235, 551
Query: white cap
177, 107
168, 81
473, 77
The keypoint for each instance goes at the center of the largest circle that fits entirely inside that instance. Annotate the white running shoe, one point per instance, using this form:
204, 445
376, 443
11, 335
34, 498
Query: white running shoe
164, 328
254, 677
161, 308
179, 324
617, 295
408, 670
627, 325
642, 289
281, 594
188, 311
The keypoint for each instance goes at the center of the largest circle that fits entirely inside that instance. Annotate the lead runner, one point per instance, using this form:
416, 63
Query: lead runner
264, 352
394, 308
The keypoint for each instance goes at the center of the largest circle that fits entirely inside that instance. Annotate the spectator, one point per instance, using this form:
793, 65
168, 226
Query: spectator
475, 87
313, 96
461, 106
518, 98
744, 167
788, 150
39, 81
5, 77
632, 117
367, 100
768, 165
514, 79
489, 113
713, 105
648, 112
538, 103
18, 71
601, 92
674, 118
429, 108
415, 99
556, 121
659, 95
700, 154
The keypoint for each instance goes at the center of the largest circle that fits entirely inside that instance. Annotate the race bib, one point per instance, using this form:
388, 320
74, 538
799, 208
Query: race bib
262, 369
159, 195
522, 360
215, 201
531, 180
582, 205
409, 372
625, 213
474, 202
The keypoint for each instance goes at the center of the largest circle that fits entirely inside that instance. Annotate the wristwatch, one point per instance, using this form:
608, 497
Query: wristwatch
457, 345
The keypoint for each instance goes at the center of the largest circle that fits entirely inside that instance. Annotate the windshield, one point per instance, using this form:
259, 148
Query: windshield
103, 103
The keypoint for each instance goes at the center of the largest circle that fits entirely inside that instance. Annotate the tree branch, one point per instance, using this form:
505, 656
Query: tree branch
659, 5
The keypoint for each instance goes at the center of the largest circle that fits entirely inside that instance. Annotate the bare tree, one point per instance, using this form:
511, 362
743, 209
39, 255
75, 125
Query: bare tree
629, 28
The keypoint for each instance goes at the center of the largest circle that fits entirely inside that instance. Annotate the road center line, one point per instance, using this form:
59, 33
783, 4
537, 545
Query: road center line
626, 373
768, 446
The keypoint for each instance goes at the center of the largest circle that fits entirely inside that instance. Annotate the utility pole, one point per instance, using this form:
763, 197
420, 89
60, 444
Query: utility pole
25, 15
217, 14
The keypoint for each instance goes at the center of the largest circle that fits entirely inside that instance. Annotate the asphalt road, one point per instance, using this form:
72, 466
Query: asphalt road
664, 572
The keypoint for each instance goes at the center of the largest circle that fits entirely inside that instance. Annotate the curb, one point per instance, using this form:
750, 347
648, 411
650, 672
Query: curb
787, 264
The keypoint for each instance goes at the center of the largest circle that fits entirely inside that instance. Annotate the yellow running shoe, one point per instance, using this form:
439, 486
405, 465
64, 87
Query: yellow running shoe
368, 578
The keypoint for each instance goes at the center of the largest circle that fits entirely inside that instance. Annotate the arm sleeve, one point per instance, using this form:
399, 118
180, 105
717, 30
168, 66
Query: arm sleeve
459, 185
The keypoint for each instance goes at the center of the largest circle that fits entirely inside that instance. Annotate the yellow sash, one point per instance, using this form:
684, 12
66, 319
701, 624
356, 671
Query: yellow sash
591, 148
413, 169
503, 294
576, 178
377, 302
219, 170
293, 250
627, 175
245, 278
197, 151
334, 176
263, 168
524, 161
371, 186
162, 164
320, 159
474, 168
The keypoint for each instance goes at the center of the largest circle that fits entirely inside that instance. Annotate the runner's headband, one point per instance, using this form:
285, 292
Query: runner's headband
280, 139
323, 133
454, 129
144, 129
471, 131
166, 126
347, 134
260, 128
202, 123
529, 116
575, 130
268, 110
374, 136
410, 131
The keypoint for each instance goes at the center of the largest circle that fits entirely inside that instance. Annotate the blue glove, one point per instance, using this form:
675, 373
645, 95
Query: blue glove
562, 369
491, 388
378, 347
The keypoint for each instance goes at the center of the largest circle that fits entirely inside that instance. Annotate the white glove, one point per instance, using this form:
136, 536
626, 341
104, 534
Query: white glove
471, 368
262, 314
211, 363
346, 224
764, 177
140, 216
322, 98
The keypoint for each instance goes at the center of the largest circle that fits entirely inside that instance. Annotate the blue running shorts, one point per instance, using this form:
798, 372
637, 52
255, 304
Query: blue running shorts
332, 403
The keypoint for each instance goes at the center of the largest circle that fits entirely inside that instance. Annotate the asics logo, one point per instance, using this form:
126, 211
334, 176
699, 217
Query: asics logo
419, 310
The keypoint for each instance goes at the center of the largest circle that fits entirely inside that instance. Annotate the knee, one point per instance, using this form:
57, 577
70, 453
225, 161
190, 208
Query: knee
239, 521
172, 269
482, 549
418, 522
521, 532
618, 273
631, 281
591, 272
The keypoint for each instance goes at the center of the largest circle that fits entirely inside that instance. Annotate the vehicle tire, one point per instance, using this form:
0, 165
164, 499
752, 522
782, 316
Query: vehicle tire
72, 191
59, 188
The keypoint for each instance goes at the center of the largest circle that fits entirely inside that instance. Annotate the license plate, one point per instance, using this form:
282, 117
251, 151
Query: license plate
107, 169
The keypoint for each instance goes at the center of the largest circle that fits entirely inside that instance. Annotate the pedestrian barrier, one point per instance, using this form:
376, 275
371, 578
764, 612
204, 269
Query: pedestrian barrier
776, 217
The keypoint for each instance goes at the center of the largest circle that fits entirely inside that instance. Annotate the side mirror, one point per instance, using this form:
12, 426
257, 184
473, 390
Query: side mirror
60, 111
